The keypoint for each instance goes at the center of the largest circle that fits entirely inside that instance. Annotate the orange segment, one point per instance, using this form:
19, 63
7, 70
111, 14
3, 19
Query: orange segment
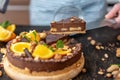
43, 52
13, 35
11, 27
6, 35
18, 48
33, 35
62, 52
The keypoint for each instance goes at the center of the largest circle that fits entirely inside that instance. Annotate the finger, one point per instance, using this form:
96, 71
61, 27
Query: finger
118, 17
113, 12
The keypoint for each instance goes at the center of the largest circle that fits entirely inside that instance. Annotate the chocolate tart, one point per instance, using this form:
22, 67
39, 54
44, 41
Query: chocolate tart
29, 68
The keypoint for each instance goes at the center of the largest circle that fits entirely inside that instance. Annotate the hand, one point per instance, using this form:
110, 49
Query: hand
114, 14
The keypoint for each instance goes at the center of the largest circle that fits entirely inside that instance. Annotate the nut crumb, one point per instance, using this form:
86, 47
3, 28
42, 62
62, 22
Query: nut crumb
103, 59
108, 75
84, 70
106, 55
118, 52
92, 42
118, 37
100, 72
112, 68
0, 73
97, 47
89, 38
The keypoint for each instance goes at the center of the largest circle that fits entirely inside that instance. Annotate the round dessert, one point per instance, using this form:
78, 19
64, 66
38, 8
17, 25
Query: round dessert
43, 56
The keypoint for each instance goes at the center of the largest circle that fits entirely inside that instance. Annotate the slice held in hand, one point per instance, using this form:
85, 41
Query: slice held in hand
70, 25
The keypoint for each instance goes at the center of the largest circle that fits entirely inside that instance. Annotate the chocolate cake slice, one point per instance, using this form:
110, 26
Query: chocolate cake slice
70, 25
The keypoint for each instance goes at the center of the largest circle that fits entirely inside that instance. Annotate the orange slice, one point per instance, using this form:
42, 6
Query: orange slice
62, 52
13, 35
33, 35
18, 48
6, 35
11, 27
42, 52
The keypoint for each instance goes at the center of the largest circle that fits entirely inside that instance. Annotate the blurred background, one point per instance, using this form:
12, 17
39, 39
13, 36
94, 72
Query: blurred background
18, 11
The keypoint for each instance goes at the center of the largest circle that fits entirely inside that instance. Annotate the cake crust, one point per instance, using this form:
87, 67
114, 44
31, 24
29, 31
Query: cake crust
70, 72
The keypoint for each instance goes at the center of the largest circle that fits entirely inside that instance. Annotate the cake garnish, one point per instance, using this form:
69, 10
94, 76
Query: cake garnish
7, 31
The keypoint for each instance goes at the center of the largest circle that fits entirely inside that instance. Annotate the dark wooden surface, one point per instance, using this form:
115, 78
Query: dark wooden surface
93, 62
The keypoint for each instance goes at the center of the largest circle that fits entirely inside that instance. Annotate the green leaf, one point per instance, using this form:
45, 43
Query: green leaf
5, 24
59, 44
24, 36
34, 33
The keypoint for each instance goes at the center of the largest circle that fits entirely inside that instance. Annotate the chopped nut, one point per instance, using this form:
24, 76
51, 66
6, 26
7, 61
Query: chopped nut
0, 73
92, 42
42, 35
112, 68
118, 52
97, 47
84, 70
73, 48
100, 72
3, 50
57, 56
64, 29
32, 46
101, 47
108, 75
65, 47
114, 73
14, 41
36, 59
103, 59
118, 37
106, 55
118, 76
89, 38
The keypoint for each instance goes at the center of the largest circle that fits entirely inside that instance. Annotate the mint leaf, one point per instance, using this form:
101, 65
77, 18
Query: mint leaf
24, 36
34, 33
59, 44
5, 24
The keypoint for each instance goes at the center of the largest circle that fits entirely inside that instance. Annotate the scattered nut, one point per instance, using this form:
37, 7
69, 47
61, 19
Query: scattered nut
0, 73
97, 47
100, 72
106, 55
118, 52
84, 70
89, 38
112, 68
108, 75
118, 37
114, 73
53, 22
92, 42
103, 59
